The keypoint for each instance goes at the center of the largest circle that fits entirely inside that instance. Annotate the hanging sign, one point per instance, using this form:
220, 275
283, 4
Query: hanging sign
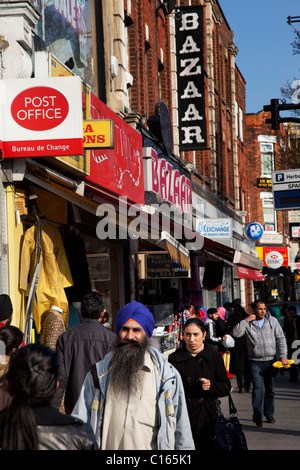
41, 117
190, 79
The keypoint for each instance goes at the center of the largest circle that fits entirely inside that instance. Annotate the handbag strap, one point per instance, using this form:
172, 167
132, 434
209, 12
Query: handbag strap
232, 408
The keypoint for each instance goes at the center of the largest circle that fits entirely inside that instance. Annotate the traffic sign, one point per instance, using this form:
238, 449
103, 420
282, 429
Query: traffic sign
286, 189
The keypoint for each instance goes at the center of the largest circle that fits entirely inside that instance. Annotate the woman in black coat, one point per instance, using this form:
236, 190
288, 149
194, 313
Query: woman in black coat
239, 354
204, 379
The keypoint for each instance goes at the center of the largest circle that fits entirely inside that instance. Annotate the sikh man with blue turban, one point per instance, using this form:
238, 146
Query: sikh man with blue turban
134, 398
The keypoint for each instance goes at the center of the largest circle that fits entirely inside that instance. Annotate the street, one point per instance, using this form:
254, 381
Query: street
284, 434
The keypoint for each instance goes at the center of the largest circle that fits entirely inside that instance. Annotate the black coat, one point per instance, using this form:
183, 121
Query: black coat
289, 330
78, 349
201, 404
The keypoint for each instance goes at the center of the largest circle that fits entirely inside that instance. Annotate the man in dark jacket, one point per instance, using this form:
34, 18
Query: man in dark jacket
291, 328
79, 348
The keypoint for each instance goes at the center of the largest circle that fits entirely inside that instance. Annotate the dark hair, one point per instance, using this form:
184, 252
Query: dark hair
256, 302
32, 378
12, 337
292, 307
212, 310
92, 305
195, 321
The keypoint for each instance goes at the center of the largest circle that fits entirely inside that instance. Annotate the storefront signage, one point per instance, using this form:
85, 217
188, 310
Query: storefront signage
42, 117
264, 182
190, 78
274, 259
296, 232
118, 170
98, 134
285, 187
254, 231
162, 266
215, 228
166, 182
274, 256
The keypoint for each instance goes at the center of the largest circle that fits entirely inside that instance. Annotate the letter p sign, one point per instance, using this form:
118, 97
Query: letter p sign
279, 177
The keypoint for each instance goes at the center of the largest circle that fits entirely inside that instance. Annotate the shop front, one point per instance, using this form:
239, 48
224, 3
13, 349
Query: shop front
279, 284
228, 262
58, 244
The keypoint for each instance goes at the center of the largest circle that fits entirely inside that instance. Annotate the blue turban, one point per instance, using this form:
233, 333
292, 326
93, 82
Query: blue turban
137, 312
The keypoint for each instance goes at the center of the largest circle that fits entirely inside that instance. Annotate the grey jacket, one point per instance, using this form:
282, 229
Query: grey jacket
264, 344
174, 427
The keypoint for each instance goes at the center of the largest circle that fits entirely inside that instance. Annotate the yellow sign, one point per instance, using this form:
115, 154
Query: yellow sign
98, 134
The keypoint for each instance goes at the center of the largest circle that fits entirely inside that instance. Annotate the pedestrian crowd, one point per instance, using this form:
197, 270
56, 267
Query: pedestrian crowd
91, 387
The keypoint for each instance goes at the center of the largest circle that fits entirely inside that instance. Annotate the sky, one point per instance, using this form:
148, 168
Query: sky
263, 38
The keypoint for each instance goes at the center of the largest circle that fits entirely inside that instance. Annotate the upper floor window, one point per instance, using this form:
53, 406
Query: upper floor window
267, 158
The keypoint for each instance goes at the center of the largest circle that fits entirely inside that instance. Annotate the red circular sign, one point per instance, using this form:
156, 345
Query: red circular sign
40, 108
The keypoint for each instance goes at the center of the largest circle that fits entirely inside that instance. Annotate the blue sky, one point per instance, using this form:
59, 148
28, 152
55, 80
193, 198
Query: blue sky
263, 37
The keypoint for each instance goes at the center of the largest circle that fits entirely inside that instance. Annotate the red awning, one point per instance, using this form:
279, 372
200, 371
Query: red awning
248, 273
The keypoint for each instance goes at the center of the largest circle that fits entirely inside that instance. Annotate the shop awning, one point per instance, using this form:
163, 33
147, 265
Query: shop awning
177, 251
248, 273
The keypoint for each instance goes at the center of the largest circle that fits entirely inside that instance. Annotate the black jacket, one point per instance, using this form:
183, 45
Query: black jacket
78, 349
61, 432
207, 364
289, 330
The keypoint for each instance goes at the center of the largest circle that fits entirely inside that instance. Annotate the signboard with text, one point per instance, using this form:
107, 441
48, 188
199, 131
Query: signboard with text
41, 117
190, 79
285, 187
119, 170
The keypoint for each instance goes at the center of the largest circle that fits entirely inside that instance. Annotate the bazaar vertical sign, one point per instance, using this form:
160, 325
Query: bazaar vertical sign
190, 78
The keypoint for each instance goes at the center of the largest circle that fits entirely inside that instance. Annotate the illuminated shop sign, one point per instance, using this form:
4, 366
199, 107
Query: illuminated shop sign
190, 78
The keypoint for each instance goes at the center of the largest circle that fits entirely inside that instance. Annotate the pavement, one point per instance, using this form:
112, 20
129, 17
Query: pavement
284, 434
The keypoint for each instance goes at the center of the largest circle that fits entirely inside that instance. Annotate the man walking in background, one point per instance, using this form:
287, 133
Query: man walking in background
79, 348
264, 338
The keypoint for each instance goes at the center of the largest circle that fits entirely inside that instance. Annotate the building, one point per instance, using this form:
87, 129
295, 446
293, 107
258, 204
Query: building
269, 150
145, 190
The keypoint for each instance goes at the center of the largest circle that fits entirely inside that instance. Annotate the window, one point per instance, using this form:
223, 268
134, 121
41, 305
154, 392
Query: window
267, 158
269, 215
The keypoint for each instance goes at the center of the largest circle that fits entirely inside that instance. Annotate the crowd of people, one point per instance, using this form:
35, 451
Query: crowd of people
88, 387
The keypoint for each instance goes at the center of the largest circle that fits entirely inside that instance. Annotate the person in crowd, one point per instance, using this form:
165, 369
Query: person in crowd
204, 379
134, 397
215, 337
229, 308
105, 320
6, 310
264, 338
29, 422
52, 326
276, 312
239, 363
11, 338
291, 328
79, 348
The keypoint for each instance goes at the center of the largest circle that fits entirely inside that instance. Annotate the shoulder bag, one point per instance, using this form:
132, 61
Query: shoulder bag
228, 433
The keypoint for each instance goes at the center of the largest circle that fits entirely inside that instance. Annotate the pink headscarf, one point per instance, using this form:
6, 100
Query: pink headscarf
221, 312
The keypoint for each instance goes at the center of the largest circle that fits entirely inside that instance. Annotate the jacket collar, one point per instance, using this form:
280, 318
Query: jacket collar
182, 353
46, 415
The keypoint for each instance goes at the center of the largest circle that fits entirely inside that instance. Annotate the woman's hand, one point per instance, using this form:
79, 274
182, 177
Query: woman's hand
205, 383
